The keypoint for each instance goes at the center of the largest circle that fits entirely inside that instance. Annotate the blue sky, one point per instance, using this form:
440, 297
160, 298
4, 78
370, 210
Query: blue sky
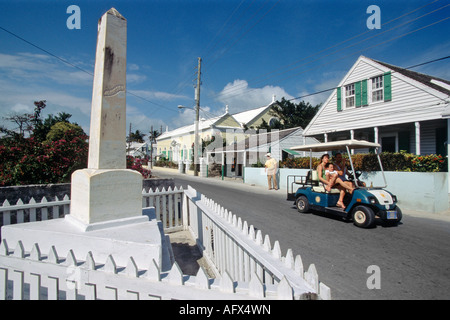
250, 50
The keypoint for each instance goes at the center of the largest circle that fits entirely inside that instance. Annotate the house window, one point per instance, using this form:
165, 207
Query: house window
350, 95
377, 89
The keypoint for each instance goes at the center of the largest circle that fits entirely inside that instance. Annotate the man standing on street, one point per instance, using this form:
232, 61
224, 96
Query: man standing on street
271, 168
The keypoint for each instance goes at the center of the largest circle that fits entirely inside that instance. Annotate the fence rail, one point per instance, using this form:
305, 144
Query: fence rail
33, 211
51, 277
168, 204
233, 247
246, 263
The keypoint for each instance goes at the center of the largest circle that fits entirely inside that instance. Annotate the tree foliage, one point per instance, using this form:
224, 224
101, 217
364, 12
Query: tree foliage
291, 115
54, 149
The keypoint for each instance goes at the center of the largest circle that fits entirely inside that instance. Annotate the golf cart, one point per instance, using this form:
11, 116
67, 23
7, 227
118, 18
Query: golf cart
362, 206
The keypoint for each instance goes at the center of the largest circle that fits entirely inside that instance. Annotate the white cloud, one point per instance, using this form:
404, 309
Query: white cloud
36, 67
133, 67
141, 122
240, 97
157, 95
21, 108
135, 78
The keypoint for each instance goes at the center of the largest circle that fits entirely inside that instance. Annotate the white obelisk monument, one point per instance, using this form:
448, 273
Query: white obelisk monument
106, 190
106, 215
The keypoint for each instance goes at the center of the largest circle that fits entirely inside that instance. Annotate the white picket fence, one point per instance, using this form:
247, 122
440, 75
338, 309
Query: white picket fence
34, 211
246, 264
31, 275
167, 205
233, 247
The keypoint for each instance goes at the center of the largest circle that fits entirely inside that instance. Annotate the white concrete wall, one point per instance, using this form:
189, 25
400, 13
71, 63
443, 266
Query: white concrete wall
417, 191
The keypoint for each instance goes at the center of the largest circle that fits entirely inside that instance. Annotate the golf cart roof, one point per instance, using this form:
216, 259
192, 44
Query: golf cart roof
336, 145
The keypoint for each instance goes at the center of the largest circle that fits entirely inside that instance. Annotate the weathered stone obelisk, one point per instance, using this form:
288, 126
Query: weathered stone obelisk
106, 190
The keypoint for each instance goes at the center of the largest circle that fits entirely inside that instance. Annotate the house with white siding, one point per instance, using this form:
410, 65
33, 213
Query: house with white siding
245, 153
396, 107
177, 145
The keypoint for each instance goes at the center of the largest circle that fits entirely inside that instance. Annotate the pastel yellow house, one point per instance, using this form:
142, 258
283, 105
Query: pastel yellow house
178, 144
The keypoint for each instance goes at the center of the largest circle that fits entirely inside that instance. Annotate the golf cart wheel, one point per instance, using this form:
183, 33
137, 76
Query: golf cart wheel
363, 217
302, 204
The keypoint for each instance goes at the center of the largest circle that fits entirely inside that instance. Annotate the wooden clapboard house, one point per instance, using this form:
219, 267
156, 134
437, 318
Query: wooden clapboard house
396, 107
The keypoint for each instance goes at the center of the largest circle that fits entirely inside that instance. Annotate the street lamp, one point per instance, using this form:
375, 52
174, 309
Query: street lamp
195, 136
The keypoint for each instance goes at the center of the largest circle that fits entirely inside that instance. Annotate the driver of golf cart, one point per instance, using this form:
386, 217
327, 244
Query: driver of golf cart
341, 168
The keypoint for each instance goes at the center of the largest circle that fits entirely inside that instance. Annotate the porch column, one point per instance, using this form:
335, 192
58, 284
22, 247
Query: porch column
352, 137
304, 142
325, 135
375, 131
417, 124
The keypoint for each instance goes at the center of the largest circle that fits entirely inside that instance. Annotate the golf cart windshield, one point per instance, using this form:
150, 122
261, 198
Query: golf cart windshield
343, 145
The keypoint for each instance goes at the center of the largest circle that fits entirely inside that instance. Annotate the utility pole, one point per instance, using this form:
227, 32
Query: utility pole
129, 140
197, 109
151, 147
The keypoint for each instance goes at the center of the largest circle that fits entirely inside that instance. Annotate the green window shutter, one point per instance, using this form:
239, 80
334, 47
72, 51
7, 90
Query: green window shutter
387, 86
339, 100
358, 94
364, 101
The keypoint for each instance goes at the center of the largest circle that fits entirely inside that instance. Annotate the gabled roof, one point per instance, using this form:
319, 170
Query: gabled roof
260, 139
431, 81
249, 115
241, 118
393, 112
202, 125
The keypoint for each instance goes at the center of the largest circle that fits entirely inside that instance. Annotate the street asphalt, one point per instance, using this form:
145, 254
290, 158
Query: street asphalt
412, 259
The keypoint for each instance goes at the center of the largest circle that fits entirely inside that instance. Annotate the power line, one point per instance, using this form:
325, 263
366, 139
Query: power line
262, 78
46, 51
393, 72
247, 31
77, 67
341, 58
223, 26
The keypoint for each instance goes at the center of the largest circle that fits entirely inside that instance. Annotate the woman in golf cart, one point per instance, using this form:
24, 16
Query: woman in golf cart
335, 181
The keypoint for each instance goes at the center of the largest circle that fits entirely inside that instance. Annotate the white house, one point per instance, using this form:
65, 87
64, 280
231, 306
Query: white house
138, 149
177, 145
398, 108
248, 152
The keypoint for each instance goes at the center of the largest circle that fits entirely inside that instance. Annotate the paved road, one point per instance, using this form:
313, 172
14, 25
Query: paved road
413, 258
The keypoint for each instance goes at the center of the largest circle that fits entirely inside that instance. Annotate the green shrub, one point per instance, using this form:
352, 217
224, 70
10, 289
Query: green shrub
391, 162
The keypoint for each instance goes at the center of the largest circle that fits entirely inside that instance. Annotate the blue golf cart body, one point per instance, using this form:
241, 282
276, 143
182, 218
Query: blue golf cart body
363, 206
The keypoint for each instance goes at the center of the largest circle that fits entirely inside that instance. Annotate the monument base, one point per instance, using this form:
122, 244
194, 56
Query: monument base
99, 195
138, 237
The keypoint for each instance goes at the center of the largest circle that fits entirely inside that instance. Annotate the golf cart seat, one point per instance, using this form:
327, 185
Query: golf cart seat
318, 186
